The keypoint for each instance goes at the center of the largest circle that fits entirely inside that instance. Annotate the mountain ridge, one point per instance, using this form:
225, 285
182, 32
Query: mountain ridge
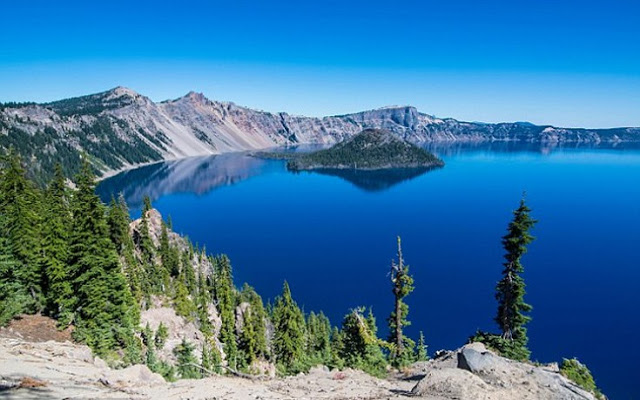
120, 128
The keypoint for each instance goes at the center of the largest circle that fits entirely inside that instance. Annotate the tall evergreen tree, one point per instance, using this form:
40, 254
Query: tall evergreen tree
510, 291
55, 249
118, 220
151, 359
13, 295
20, 204
252, 341
225, 298
289, 335
104, 307
337, 349
402, 285
318, 338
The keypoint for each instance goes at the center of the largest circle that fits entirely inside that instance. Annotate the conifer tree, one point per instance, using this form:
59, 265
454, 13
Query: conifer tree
55, 250
421, 349
203, 299
225, 300
161, 336
151, 359
402, 286
187, 361
206, 360
318, 338
169, 256
252, 341
361, 348
289, 336
20, 203
337, 349
510, 291
104, 307
13, 294
118, 220
183, 304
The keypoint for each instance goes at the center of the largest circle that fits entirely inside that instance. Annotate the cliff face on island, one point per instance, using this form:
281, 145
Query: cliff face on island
120, 128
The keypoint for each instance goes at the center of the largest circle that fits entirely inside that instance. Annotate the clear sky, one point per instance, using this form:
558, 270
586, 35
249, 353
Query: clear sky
567, 63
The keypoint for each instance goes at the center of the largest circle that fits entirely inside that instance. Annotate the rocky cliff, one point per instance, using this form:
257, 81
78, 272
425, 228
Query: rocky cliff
120, 128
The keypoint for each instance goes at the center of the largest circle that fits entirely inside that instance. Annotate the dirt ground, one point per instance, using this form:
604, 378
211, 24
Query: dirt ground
35, 328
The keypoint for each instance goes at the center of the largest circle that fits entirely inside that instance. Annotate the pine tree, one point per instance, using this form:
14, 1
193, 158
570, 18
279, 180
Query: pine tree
157, 277
318, 338
421, 349
183, 304
226, 301
252, 341
337, 349
187, 361
289, 335
20, 204
118, 220
161, 336
402, 285
104, 308
361, 348
206, 360
203, 300
510, 291
169, 255
13, 294
55, 250
151, 360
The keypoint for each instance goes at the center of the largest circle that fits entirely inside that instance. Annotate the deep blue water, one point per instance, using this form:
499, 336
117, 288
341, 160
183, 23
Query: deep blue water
333, 237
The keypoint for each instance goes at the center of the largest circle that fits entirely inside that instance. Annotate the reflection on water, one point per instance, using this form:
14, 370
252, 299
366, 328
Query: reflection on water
457, 148
197, 175
374, 180
200, 175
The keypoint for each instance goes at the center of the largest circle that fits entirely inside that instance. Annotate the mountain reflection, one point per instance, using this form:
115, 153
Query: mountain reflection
448, 149
197, 175
374, 180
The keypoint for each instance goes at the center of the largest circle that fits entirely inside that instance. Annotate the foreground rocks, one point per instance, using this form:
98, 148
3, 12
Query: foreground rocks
54, 370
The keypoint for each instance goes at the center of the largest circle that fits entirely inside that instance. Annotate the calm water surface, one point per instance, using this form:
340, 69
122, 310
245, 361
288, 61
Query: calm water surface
332, 237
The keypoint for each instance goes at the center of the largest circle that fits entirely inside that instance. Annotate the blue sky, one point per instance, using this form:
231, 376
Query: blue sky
568, 63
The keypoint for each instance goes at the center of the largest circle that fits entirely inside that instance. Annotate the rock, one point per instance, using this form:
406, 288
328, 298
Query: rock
473, 359
135, 375
441, 354
100, 363
452, 384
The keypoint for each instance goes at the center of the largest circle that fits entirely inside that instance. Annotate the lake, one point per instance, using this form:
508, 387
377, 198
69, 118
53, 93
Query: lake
332, 237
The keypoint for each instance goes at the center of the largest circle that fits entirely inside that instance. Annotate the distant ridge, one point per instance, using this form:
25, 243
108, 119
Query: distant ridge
120, 129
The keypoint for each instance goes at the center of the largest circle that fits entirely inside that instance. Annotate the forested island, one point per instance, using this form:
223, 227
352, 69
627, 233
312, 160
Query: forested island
371, 149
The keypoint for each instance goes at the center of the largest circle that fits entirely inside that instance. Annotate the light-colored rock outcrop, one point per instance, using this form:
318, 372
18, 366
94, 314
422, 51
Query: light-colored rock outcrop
63, 370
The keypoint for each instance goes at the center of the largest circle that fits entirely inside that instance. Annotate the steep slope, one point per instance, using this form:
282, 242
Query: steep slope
120, 128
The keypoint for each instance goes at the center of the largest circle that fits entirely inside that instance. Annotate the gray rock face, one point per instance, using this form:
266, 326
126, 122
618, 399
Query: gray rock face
478, 360
481, 374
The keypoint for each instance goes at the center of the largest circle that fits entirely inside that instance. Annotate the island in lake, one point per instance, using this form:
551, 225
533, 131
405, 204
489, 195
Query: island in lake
371, 149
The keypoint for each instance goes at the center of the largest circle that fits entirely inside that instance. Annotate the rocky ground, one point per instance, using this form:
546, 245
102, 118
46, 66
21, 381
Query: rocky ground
33, 369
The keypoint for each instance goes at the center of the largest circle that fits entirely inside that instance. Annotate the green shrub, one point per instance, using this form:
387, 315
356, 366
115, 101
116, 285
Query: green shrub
580, 375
